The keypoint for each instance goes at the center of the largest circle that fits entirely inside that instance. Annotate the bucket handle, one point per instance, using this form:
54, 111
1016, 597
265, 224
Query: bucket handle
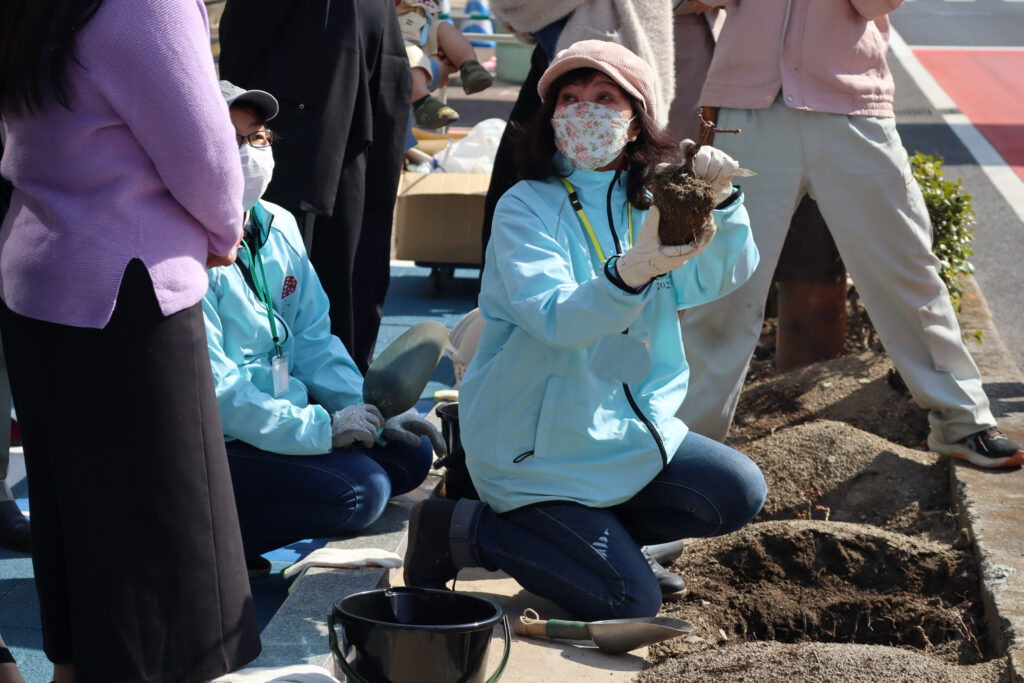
352, 677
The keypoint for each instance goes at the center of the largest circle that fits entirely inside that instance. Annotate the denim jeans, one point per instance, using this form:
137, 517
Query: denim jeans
588, 560
286, 498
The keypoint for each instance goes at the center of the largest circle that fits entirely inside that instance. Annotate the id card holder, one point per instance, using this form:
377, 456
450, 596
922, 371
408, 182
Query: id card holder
279, 371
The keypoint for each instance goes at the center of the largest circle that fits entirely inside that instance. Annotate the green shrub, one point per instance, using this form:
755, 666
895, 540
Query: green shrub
949, 207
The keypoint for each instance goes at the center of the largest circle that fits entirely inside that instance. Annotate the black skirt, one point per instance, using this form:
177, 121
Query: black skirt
136, 548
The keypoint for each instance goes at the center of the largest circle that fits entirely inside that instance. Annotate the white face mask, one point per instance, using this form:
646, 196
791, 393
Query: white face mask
590, 135
257, 169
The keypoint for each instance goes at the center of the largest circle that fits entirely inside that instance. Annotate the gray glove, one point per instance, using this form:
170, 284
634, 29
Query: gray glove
648, 257
355, 424
408, 427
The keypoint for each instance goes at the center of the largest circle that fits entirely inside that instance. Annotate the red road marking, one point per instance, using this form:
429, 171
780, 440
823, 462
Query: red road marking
988, 87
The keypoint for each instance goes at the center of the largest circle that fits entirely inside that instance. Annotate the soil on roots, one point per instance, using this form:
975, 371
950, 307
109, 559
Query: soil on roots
685, 203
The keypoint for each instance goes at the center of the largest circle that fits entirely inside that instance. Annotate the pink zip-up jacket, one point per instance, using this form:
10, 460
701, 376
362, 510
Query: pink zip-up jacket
143, 164
822, 55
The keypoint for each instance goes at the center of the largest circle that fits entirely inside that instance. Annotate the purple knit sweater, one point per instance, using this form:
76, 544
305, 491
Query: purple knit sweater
143, 165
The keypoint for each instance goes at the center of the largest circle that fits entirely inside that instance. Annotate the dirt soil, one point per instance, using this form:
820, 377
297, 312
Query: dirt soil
856, 568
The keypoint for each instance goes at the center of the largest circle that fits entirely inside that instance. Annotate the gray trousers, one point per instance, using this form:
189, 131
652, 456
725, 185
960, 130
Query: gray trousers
5, 430
856, 168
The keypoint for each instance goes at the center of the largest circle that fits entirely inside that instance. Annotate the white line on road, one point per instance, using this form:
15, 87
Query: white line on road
989, 160
973, 48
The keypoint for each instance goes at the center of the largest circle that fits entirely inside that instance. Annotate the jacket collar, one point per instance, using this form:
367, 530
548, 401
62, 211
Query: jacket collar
260, 219
587, 181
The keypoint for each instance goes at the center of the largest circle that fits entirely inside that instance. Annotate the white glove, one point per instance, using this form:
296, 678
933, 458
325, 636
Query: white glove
715, 167
355, 424
408, 427
649, 258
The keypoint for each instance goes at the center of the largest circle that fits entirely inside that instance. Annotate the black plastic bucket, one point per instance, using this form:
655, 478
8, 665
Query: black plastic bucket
415, 635
457, 483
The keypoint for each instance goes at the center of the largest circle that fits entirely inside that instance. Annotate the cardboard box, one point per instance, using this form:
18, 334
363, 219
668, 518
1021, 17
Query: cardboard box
438, 217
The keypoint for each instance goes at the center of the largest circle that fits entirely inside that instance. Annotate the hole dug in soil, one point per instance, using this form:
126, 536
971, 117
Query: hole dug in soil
772, 599
856, 568
847, 583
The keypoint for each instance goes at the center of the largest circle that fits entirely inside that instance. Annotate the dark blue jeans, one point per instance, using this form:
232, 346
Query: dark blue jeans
286, 498
588, 560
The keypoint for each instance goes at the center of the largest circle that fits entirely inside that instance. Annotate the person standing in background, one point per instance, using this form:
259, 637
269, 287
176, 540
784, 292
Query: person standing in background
341, 75
127, 185
696, 26
808, 84
14, 528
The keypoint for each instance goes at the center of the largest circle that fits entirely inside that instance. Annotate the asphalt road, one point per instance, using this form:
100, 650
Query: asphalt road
969, 29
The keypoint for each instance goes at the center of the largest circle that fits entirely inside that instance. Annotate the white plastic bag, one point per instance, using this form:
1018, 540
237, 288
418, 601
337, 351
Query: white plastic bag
463, 340
475, 152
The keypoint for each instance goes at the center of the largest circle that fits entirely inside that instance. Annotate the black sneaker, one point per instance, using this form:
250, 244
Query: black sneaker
989, 448
428, 555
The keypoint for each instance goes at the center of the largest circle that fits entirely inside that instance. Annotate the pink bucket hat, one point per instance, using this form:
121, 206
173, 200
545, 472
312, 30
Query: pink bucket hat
631, 73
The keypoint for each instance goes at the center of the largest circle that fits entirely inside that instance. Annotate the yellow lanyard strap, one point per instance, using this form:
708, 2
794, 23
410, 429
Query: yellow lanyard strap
578, 207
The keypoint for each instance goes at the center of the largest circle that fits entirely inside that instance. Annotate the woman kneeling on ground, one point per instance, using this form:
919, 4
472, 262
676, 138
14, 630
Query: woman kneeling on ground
568, 406
308, 458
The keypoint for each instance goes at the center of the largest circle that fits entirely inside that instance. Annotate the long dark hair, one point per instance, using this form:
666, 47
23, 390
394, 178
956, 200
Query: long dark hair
36, 45
536, 142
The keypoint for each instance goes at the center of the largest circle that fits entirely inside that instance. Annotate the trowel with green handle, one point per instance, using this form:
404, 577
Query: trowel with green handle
614, 636
396, 378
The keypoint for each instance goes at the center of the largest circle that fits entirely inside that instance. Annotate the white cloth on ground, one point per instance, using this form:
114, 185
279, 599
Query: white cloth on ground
344, 557
298, 673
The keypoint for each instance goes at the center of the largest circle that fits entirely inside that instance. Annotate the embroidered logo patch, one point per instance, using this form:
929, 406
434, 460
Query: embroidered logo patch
289, 286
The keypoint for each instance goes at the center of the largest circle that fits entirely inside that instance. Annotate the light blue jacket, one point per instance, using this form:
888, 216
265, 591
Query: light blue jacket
544, 414
242, 347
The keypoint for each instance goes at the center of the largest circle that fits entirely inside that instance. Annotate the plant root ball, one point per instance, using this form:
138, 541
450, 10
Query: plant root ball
685, 202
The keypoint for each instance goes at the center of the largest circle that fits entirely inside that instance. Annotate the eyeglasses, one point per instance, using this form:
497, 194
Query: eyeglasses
259, 139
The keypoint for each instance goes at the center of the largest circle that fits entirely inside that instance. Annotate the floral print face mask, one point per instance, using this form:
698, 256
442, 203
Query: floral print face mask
590, 135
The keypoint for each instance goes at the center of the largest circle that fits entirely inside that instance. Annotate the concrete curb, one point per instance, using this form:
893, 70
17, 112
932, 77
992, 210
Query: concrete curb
989, 503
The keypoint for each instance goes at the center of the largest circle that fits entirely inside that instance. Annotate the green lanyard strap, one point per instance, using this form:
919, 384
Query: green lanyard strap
263, 289
577, 206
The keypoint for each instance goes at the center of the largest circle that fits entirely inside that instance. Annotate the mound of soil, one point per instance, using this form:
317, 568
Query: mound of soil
856, 389
856, 568
833, 471
772, 662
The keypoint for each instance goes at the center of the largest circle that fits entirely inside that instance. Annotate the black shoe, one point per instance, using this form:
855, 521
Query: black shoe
672, 585
259, 567
428, 555
988, 448
665, 553
15, 531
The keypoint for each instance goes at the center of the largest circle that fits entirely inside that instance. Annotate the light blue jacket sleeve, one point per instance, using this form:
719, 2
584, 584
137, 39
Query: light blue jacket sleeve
319, 358
543, 294
724, 265
252, 415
